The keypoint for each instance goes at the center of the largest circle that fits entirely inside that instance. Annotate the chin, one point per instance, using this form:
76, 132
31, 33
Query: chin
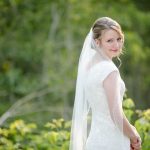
114, 56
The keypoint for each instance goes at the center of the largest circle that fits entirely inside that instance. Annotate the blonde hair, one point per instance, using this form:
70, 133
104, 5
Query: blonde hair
105, 23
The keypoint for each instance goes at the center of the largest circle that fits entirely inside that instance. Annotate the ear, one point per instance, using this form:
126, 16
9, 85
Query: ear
97, 42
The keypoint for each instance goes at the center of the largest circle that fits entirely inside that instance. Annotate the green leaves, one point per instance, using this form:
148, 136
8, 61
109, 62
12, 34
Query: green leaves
140, 119
128, 103
143, 126
27, 136
55, 135
129, 106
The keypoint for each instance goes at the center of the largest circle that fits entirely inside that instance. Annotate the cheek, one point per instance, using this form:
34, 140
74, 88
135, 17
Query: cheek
121, 45
106, 45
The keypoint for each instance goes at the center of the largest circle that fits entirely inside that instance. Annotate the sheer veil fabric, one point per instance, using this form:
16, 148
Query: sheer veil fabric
90, 56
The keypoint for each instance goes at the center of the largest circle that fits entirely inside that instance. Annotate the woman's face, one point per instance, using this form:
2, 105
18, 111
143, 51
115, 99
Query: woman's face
111, 43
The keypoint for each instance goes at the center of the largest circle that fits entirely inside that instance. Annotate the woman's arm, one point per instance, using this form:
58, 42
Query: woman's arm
112, 88
132, 133
128, 129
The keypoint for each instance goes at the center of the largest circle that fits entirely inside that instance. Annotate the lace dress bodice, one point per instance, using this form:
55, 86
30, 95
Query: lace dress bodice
103, 133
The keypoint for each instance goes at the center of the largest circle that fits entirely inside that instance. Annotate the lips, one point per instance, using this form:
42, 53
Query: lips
115, 50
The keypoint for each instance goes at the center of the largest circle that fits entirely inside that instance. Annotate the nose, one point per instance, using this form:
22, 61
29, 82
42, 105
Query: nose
116, 45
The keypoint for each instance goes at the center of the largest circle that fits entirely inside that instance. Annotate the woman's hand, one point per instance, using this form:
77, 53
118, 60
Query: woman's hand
135, 140
136, 145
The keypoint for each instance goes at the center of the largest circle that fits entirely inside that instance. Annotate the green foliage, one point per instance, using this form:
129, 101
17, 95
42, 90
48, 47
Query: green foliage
40, 43
141, 122
143, 126
55, 135
27, 136
129, 107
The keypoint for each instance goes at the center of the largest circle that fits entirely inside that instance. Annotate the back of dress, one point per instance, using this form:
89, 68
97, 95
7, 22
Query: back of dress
103, 134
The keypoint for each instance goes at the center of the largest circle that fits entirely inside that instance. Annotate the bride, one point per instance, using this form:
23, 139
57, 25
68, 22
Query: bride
100, 90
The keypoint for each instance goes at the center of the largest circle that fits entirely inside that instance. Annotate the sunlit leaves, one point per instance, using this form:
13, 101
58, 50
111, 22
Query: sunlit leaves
45, 138
55, 135
143, 126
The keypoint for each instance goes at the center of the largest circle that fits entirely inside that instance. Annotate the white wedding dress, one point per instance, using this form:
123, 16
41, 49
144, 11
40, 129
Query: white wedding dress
103, 134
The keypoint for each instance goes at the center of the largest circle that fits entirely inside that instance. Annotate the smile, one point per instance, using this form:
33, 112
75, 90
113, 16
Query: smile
114, 50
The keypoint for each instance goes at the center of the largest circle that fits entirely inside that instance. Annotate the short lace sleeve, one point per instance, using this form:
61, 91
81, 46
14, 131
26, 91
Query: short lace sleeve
107, 68
112, 88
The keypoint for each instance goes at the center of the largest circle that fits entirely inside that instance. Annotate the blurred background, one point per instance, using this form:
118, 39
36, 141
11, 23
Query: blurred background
40, 45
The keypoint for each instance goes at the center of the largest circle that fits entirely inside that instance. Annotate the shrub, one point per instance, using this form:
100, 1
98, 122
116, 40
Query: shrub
55, 135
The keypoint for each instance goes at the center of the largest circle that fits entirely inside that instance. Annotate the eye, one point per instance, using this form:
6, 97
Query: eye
119, 39
110, 40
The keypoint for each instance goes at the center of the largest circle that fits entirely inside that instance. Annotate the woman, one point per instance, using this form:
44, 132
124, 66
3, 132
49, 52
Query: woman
100, 89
